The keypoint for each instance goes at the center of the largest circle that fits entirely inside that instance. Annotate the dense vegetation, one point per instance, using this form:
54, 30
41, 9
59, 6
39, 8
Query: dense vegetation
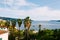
27, 34
41, 35
49, 34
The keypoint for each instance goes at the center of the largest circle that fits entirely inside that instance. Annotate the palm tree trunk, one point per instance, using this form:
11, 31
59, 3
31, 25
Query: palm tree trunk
19, 34
26, 34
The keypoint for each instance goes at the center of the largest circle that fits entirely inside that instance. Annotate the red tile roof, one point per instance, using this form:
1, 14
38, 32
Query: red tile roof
2, 32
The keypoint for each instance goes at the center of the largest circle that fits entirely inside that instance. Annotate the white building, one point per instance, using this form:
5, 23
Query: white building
3, 32
4, 36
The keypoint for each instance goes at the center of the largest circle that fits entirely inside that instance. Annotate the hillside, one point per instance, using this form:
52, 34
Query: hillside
7, 18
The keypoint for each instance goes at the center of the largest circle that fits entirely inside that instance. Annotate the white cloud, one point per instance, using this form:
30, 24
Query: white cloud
39, 13
21, 2
44, 13
15, 4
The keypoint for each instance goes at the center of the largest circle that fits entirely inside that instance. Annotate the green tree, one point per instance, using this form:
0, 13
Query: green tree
3, 23
13, 22
27, 24
19, 24
39, 32
7, 24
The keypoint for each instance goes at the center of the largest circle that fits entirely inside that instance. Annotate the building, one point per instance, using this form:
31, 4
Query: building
3, 35
3, 30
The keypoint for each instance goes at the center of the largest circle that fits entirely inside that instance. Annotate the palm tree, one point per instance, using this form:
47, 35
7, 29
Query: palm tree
7, 24
13, 22
19, 24
27, 24
39, 27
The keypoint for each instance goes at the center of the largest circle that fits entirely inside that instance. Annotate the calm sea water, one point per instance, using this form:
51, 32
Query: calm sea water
44, 25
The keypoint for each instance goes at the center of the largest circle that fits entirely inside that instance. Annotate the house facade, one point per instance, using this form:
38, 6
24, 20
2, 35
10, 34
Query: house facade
4, 36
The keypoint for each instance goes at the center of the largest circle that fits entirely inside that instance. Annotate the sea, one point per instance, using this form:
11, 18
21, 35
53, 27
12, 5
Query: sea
44, 25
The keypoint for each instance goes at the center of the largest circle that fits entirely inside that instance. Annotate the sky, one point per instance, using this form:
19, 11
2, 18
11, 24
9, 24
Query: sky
35, 9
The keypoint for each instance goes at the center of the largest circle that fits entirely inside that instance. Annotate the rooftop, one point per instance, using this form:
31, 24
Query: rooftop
2, 32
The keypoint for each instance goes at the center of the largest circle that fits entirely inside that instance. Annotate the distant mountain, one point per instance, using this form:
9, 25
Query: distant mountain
58, 21
55, 21
7, 18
